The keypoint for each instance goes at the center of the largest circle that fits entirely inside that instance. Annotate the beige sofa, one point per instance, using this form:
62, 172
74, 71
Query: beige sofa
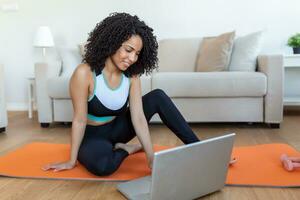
3, 112
201, 97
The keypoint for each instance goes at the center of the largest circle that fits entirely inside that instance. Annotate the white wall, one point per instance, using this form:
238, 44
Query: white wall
71, 21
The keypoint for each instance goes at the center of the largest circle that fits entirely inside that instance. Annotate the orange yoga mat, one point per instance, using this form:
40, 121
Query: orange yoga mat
260, 165
256, 166
27, 161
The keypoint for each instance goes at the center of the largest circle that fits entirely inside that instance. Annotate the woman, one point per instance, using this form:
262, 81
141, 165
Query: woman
119, 50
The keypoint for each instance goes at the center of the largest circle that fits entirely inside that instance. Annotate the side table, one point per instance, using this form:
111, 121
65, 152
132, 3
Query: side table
291, 65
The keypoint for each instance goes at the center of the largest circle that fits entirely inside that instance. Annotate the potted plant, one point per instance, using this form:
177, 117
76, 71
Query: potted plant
294, 42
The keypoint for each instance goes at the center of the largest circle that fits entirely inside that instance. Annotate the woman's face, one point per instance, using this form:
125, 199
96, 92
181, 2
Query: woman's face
128, 53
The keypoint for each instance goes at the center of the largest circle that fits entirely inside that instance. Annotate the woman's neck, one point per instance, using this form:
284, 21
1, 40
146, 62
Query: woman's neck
110, 68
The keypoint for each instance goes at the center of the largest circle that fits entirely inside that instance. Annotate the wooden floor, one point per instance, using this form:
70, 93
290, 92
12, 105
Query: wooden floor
22, 130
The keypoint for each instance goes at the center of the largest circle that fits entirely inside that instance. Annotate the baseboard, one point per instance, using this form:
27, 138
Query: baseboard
18, 107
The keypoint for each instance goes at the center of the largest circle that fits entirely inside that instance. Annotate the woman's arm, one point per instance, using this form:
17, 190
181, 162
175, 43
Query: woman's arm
79, 91
138, 118
79, 87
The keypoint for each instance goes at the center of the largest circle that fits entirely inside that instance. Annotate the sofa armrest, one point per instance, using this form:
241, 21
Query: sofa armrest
272, 66
3, 112
42, 72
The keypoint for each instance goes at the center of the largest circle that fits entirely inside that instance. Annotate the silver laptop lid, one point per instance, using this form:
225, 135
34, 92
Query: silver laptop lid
191, 171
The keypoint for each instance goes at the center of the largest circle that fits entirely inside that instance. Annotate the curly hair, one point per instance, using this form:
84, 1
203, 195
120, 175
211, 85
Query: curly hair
108, 36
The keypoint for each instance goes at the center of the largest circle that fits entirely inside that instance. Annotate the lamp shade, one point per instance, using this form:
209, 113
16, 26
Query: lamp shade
43, 37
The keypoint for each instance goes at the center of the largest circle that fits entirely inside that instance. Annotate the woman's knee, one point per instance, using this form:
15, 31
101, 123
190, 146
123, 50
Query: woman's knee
96, 157
103, 167
159, 94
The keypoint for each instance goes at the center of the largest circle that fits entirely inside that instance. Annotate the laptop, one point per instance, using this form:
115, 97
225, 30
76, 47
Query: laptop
184, 172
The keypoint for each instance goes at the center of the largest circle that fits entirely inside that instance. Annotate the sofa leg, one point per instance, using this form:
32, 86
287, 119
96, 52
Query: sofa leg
2, 129
274, 125
45, 125
67, 123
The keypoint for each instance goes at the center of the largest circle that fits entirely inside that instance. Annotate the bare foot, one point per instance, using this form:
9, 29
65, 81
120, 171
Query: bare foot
286, 162
130, 148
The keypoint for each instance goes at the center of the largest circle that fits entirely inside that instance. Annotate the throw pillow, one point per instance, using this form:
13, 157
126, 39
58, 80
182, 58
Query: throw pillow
82, 48
71, 58
245, 51
214, 53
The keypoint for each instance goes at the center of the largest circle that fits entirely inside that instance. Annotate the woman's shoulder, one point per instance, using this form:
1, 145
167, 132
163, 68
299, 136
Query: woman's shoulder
82, 72
83, 69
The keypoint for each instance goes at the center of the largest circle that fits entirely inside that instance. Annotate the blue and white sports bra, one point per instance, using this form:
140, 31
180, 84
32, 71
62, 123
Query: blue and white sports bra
106, 102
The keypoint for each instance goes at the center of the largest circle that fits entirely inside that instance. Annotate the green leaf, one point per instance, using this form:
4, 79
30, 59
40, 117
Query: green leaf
294, 40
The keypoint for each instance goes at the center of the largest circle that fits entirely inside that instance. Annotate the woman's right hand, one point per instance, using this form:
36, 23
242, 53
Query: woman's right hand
150, 160
59, 166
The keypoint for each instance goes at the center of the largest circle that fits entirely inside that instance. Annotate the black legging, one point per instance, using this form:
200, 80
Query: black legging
97, 152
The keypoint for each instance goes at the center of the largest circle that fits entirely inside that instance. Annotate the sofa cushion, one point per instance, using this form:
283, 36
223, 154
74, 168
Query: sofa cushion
245, 51
71, 58
145, 84
82, 48
211, 84
214, 53
58, 87
178, 55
